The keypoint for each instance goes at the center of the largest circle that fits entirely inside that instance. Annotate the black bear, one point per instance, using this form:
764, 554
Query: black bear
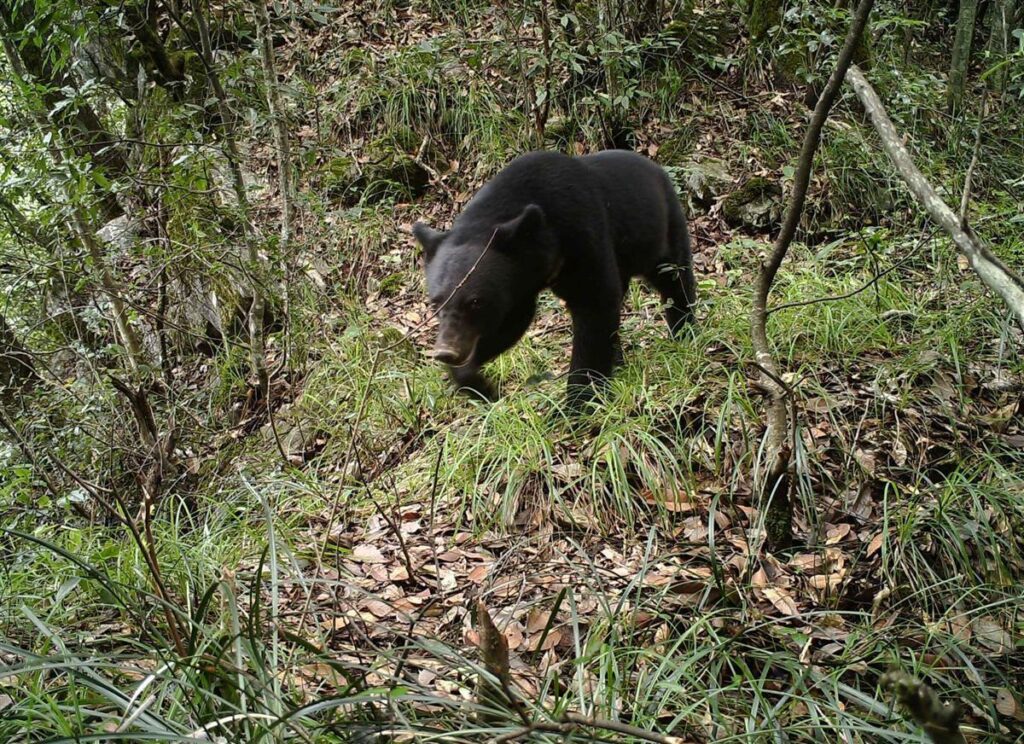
582, 227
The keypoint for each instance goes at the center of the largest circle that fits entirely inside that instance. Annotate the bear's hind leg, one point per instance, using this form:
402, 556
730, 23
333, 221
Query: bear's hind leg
675, 285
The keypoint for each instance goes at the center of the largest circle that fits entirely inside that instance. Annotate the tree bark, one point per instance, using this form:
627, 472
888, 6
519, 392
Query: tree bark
775, 487
1003, 21
132, 344
993, 273
252, 259
16, 367
763, 15
279, 124
961, 54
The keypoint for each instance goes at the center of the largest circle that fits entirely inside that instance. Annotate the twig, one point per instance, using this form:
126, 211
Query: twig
572, 721
965, 198
867, 285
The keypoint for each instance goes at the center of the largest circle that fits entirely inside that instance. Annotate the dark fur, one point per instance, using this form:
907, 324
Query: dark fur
581, 226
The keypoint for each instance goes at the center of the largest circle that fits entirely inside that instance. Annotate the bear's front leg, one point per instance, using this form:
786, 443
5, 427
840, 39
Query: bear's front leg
470, 380
595, 344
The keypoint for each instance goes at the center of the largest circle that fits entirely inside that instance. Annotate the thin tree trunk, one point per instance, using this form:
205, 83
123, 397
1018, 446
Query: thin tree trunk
775, 486
1003, 18
996, 275
16, 367
253, 260
763, 15
111, 289
85, 232
961, 54
279, 123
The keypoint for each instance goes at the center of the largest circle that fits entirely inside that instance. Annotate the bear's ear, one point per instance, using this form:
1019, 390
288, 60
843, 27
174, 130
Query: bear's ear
529, 221
429, 238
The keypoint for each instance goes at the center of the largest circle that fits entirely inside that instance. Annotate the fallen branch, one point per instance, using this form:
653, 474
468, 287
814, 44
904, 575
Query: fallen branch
941, 721
992, 272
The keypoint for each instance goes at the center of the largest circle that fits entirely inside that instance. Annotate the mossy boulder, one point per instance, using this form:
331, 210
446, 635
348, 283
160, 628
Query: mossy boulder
559, 132
392, 171
710, 31
705, 181
755, 206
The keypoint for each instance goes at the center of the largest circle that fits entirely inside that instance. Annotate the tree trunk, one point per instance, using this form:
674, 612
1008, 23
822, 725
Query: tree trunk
254, 264
990, 269
16, 367
774, 484
279, 123
763, 15
1003, 22
127, 334
961, 55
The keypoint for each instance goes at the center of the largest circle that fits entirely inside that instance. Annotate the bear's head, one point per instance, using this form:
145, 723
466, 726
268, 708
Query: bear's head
478, 275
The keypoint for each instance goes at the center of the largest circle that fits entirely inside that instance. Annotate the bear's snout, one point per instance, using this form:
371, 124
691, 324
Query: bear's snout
446, 356
454, 346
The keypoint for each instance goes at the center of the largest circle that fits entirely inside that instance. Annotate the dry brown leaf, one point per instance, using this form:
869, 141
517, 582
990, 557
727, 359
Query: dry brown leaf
366, 553
1007, 704
989, 634
551, 640
837, 533
806, 562
876, 544
781, 601
377, 608
825, 582
537, 620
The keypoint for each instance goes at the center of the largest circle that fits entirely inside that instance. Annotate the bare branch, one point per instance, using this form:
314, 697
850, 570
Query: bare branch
775, 488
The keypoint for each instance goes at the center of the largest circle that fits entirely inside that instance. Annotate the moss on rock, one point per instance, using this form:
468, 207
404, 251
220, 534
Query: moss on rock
755, 206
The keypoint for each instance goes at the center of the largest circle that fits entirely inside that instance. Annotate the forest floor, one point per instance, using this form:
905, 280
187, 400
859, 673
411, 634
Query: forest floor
634, 549
623, 557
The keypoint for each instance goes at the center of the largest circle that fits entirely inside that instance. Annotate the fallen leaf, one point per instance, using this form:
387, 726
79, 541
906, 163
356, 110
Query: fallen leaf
365, 553
781, 601
876, 544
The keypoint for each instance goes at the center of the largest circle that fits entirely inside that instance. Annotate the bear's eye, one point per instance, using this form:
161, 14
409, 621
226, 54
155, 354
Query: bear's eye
475, 303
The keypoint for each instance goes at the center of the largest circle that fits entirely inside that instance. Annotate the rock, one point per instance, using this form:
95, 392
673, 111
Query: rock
119, 236
705, 181
710, 29
559, 131
755, 206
